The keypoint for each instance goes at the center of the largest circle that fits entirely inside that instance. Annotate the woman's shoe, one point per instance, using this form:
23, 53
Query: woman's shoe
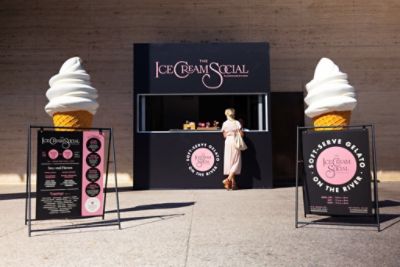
227, 184
234, 185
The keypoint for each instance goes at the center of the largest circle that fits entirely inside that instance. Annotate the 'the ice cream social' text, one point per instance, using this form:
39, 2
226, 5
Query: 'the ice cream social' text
213, 73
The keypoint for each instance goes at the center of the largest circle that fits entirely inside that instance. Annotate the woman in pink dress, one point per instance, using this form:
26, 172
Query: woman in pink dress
232, 155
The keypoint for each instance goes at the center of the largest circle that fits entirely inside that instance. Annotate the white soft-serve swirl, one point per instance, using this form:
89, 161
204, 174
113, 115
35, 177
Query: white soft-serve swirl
329, 90
71, 90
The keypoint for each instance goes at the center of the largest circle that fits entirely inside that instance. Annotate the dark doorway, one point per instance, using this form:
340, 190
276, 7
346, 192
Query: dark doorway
287, 112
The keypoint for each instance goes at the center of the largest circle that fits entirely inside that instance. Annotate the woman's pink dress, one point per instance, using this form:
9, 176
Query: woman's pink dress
232, 155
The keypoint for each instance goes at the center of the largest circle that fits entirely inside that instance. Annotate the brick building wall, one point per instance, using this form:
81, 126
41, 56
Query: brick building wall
362, 37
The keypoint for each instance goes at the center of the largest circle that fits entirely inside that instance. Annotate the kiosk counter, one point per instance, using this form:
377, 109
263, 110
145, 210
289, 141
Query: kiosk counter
180, 94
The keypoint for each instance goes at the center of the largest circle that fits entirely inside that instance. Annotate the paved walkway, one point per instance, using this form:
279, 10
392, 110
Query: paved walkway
200, 228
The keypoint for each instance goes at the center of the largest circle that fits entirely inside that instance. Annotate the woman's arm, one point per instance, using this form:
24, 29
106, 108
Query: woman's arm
240, 131
223, 130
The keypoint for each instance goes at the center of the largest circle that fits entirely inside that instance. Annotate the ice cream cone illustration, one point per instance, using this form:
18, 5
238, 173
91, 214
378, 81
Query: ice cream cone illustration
72, 99
330, 98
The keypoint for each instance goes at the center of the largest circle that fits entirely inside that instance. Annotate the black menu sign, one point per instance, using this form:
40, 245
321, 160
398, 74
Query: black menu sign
337, 166
67, 176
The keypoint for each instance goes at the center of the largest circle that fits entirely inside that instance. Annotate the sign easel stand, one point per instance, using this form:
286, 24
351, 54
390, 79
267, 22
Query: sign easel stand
28, 198
300, 167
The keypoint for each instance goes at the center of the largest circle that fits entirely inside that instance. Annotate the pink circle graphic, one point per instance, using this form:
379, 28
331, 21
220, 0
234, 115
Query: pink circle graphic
202, 159
67, 154
336, 165
53, 154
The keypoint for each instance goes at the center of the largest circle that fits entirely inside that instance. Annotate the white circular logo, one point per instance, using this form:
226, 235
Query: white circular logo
92, 204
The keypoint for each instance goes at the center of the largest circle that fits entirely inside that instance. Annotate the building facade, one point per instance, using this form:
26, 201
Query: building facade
362, 37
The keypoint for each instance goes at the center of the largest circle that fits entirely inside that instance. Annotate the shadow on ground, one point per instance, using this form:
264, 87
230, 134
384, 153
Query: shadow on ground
105, 223
386, 221
388, 203
172, 205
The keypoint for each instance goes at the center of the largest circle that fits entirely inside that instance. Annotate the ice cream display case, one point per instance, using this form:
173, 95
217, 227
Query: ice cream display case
180, 94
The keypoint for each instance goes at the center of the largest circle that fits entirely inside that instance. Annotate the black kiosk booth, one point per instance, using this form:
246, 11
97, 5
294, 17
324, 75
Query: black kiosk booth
180, 94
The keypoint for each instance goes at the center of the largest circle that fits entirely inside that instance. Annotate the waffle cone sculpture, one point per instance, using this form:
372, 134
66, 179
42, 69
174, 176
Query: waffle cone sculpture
74, 119
72, 99
339, 118
330, 99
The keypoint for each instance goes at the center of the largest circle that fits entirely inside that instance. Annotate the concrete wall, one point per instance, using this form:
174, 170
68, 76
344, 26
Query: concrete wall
36, 37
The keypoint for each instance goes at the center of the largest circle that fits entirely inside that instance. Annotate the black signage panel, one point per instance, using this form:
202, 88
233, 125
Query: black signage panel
59, 172
202, 68
69, 174
337, 167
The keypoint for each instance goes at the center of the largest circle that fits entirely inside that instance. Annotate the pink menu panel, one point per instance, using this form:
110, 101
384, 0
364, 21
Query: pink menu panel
92, 173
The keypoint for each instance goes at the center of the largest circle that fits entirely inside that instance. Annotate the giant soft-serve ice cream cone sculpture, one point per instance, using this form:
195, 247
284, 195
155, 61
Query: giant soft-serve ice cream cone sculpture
72, 99
330, 97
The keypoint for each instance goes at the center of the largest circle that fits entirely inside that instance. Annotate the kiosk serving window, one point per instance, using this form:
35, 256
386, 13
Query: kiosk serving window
162, 113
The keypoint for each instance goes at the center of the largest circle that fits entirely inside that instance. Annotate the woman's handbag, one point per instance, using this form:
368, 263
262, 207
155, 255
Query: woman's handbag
239, 142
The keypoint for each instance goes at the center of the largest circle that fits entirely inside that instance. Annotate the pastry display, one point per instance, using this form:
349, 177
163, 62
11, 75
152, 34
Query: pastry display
189, 126
201, 126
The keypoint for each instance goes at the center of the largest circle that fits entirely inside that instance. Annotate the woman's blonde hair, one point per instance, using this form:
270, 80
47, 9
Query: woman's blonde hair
230, 113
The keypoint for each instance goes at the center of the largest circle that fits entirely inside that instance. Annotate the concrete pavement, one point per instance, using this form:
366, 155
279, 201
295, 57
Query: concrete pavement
199, 228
